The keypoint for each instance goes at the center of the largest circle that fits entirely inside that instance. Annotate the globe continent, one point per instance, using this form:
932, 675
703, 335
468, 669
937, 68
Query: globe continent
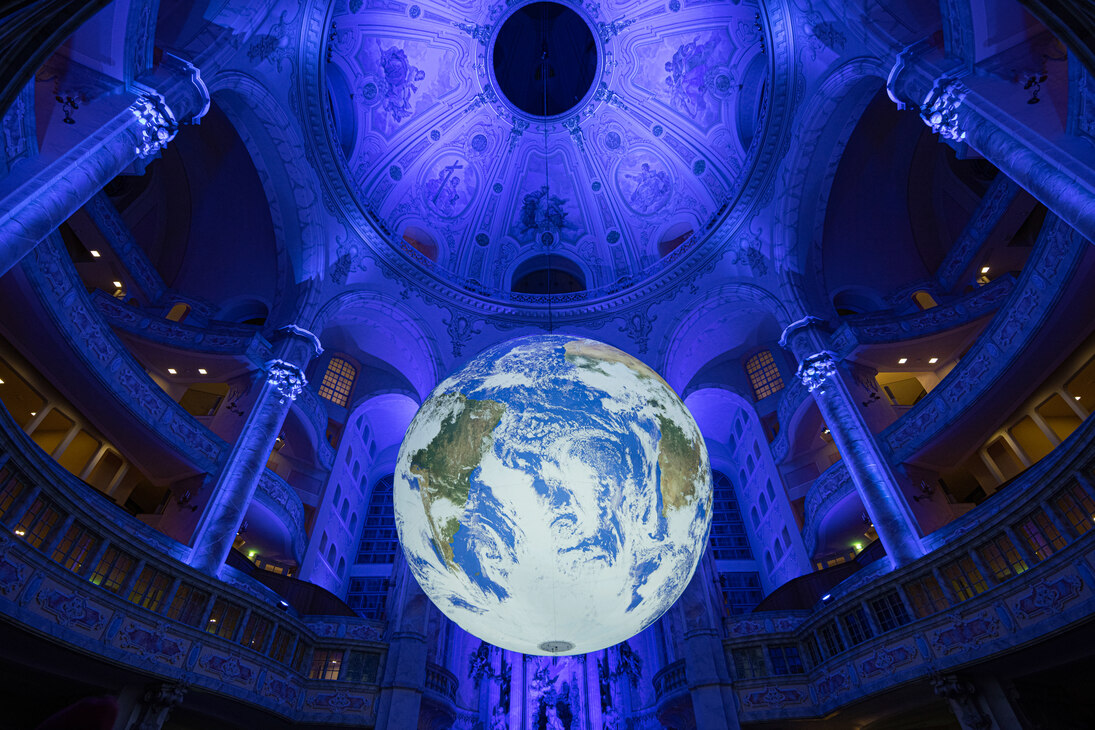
553, 496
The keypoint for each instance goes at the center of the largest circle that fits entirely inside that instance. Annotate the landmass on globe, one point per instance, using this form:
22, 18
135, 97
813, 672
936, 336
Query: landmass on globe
554, 492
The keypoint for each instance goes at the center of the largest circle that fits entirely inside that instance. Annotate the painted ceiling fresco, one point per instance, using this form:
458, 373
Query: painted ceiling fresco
654, 151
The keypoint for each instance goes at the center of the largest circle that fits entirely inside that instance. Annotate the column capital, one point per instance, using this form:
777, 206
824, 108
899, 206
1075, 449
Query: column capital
287, 379
158, 125
941, 106
817, 368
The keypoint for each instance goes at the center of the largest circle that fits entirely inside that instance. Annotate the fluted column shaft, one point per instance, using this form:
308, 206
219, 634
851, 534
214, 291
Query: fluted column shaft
33, 207
863, 457
1062, 182
239, 477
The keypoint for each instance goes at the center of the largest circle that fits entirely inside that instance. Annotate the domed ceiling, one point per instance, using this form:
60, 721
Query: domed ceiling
652, 125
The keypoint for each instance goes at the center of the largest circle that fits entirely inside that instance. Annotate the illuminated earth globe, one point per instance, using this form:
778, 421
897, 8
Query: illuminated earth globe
553, 496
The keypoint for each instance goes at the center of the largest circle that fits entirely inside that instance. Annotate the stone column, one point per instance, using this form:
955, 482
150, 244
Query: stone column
866, 463
1056, 178
708, 677
32, 206
405, 668
239, 477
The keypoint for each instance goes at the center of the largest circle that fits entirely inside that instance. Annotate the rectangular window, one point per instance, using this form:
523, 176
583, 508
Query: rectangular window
150, 589
748, 662
10, 489
1002, 558
298, 656
255, 633
964, 578
1041, 535
188, 606
785, 660
813, 650
114, 567
279, 647
763, 375
740, 591
75, 548
926, 596
38, 522
338, 381
326, 664
889, 611
361, 667
831, 641
855, 622
367, 596
223, 619
1078, 508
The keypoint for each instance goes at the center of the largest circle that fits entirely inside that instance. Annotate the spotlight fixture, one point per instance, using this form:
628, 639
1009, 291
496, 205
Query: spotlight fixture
933, 360
94, 254
1, 381
202, 371
172, 371
984, 269
117, 284
902, 361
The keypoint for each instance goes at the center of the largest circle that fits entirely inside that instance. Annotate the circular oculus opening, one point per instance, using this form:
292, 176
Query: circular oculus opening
545, 59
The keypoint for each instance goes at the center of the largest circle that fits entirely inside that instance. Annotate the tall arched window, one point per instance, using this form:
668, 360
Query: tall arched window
378, 536
728, 538
763, 374
338, 381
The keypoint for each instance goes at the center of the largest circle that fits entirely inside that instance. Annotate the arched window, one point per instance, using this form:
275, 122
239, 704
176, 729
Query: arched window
755, 517
378, 537
763, 374
728, 538
768, 561
763, 504
338, 381
777, 549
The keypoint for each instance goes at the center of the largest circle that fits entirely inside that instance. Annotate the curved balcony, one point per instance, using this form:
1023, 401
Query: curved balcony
869, 329
310, 404
90, 339
1040, 593
441, 682
670, 680
225, 638
834, 484
276, 495
794, 395
217, 338
1020, 320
